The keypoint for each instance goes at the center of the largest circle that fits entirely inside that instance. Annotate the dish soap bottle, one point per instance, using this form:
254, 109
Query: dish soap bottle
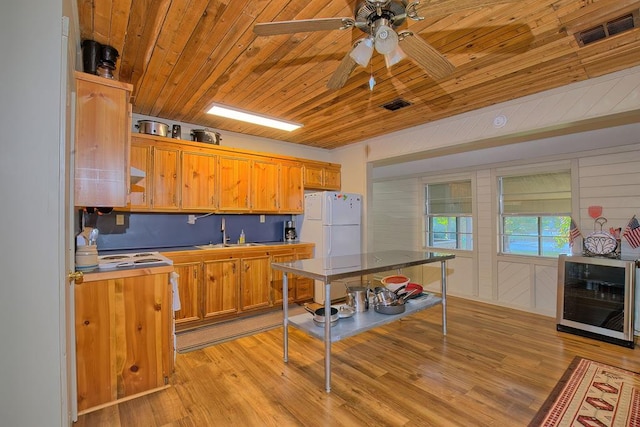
242, 238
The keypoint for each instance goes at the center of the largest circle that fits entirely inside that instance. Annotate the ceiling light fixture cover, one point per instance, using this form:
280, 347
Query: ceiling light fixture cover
394, 57
363, 51
386, 39
244, 116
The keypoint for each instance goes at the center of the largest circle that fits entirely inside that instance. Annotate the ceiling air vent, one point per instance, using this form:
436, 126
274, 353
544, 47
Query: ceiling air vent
608, 29
396, 104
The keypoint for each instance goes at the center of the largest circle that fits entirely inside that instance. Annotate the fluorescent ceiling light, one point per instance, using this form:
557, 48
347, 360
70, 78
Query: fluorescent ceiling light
231, 113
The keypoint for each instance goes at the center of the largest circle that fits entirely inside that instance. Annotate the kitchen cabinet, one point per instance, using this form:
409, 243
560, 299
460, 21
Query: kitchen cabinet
165, 178
221, 286
198, 181
195, 177
235, 177
189, 290
255, 278
139, 190
102, 141
291, 188
322, 176
124, 335
265, 186
299, 288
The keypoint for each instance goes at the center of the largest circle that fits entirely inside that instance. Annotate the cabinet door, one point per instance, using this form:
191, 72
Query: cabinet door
277, 279
265, 186
313, 176
103, 128
255, 283
198, 181
304, 285
332, 179
291, 188
165, 179
233, 190
139, 188
189, 293
124, 339
221, 282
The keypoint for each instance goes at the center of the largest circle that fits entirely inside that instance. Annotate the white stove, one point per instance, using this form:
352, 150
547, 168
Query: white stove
136, 259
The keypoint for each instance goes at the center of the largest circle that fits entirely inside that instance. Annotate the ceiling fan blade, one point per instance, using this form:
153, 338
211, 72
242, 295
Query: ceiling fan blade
427, 57
342, 73
446, 7
302, 26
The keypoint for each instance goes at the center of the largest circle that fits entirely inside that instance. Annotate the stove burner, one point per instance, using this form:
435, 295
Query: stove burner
147, 260
143, 254
114, 257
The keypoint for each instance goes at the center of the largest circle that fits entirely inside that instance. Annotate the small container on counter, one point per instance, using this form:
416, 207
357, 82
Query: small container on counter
87, 258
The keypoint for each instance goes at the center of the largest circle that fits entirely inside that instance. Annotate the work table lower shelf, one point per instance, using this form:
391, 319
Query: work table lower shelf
361, 322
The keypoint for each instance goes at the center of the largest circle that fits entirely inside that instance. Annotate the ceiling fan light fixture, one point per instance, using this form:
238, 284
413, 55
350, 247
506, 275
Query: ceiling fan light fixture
391, 59
362, 52
234, 114
386, 40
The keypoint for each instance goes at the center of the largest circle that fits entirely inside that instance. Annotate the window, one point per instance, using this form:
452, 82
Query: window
535, 213
448, 221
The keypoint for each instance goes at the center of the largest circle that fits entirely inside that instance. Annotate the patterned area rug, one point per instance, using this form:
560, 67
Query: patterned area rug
592, 394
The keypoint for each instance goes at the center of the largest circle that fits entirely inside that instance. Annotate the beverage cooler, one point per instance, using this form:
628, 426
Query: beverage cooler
596, 298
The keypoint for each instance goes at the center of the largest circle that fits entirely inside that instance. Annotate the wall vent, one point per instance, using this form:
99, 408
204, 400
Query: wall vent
609, 28
396, 104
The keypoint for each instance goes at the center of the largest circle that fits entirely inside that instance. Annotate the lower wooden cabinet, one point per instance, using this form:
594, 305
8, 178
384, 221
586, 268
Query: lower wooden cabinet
255, 276
222, 284
189, 274
124, 337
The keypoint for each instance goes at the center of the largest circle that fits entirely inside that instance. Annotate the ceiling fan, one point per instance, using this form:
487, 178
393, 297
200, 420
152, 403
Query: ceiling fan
380, 19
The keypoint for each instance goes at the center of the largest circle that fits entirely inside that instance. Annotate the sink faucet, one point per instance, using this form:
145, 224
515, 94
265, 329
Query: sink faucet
225, 239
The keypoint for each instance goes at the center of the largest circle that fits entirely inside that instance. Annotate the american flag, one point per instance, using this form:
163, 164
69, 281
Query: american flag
574, 232
632, 232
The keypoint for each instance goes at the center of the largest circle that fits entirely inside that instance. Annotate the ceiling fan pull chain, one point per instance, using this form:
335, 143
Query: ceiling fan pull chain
372, 80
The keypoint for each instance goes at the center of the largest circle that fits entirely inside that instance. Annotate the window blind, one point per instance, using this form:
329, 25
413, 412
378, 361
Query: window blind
539, 194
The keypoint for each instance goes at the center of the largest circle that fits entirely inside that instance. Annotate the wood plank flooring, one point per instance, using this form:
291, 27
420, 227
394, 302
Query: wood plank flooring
495, 367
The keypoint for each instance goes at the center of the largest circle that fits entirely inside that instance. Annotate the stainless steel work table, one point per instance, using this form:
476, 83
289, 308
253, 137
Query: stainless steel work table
335, 268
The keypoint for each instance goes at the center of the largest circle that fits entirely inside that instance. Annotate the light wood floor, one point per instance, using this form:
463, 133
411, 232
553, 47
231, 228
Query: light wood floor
495, 367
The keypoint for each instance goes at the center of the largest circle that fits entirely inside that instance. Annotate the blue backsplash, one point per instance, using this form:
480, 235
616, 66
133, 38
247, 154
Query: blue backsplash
160, 230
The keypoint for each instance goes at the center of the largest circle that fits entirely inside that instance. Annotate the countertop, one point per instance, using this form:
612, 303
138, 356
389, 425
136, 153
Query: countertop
196, 248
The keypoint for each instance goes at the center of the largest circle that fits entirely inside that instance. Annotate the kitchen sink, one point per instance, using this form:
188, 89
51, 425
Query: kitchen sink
227, 245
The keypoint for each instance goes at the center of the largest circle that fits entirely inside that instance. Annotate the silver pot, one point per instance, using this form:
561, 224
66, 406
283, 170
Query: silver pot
204, 135
358, 298
151, 127
319, 317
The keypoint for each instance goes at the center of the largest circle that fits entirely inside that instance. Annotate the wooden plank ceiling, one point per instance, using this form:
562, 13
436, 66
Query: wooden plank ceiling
184, 55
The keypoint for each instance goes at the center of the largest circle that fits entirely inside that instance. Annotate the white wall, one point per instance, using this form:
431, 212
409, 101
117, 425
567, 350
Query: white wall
31, 378
606, 177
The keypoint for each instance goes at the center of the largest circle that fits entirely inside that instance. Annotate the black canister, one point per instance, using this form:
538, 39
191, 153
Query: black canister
91, 53
176, 132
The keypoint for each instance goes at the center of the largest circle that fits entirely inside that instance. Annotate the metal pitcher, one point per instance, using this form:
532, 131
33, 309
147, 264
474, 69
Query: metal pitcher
358, 298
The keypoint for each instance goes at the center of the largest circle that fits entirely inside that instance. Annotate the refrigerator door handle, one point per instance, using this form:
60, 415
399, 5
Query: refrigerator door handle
328, 213
328, 250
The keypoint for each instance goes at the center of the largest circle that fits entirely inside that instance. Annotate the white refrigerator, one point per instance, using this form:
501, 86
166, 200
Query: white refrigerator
332, 220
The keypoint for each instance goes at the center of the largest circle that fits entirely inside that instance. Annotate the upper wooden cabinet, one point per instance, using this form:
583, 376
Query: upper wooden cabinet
195, 177
103, 131
291, 188
235, 178
165, 170
198, 181
321, 176
265, 186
